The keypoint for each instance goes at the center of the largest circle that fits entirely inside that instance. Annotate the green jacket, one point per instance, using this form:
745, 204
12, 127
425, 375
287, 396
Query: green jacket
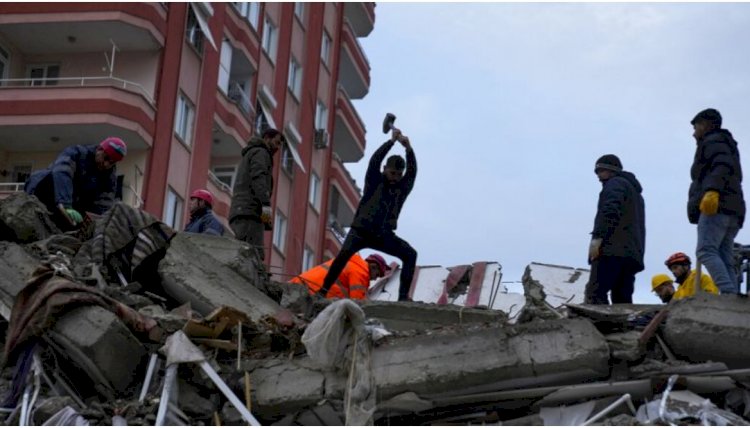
254, 182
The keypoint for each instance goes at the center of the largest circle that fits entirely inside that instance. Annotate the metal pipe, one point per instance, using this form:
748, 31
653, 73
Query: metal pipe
625, 398
228, 393
24, 405
169, 379
149, 374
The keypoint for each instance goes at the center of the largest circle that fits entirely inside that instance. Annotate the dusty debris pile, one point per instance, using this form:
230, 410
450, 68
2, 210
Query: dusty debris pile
130, 322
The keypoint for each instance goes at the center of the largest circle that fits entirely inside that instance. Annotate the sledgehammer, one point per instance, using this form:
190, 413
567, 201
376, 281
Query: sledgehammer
388, 122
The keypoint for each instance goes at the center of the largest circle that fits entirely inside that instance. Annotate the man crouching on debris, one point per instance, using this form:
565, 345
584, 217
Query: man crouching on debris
619, 236
81, 179
679, 265
353, 281
377, 214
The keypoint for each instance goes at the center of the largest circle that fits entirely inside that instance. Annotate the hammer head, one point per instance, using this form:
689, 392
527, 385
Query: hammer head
388, 122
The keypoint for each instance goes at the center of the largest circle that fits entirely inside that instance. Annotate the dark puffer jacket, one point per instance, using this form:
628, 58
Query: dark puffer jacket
204, 221
77, 182
381, 201
716, 166
621, 218
254, 183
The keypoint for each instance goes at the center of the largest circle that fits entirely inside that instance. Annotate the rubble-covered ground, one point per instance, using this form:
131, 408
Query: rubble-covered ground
129, 322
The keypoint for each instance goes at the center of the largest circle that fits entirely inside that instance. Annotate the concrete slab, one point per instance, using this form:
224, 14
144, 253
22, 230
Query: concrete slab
24, 219
401, 316
710, 328
191, 273
16, 267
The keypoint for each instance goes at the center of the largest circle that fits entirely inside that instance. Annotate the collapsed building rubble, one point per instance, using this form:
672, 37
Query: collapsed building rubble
131, 322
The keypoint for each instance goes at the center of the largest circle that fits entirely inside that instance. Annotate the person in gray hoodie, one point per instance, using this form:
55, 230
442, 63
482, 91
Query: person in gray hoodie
618, 241
250, 212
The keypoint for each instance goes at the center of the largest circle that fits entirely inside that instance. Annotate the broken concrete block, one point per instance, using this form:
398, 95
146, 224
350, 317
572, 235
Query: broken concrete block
16, 267
24, 219
281, 386
195, 402
709, 327
557, 285
98, 343
191, 273
625, 346
401, 316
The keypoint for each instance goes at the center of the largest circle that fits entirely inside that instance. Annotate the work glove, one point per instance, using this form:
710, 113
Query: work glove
595, 248
710, 203
74, 217
266, 217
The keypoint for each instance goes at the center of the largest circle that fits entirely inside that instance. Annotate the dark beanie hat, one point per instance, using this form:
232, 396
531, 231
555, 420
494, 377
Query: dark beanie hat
396, 162
710, 115
610, 162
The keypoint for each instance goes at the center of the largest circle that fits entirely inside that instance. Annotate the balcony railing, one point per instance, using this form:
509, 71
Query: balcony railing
218, 183
237, 94
88, 81
11, 187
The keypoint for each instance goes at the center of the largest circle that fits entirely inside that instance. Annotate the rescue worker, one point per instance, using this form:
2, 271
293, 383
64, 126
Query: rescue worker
619, 236
353, 281
202, 219
250, 213
663, 286
679, 265
715, 200
377, 215
82, 179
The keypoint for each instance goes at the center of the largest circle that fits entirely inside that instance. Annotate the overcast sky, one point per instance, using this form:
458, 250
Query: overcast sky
509, 105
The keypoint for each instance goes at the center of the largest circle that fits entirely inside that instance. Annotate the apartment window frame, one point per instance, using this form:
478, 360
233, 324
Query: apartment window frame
280, 223
294, 81
46, 79
173, 207
250, 11
4, 62
225, 173
314, 194
321, 115
270, 39
193, 33
299, 12
287, 160
326, 46
184, 122
308, 258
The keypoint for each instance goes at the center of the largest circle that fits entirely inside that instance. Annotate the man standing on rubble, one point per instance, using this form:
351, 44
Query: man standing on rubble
82, 179
352, 283
377, 215
679, 265
250, 213
202, 219
619, 236
715, 200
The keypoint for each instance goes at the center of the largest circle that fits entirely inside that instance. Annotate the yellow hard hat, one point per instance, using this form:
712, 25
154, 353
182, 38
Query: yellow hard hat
659, 279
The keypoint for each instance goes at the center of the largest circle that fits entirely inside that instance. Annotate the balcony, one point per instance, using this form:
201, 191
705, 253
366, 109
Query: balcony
235, 115
349, 131
222, 195
242, 33
7, 189
354, 69
43, 28
63, 111
362, 17
345, 194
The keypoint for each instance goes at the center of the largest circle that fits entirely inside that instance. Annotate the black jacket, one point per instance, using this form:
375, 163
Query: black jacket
621, 218
204, 221
254, 182
716, 166
381, 201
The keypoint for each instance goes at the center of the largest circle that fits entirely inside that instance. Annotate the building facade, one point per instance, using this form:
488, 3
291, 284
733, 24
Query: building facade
186, 85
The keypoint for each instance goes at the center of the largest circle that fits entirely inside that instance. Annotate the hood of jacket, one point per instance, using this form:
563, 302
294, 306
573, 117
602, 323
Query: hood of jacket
630, 177
253, 143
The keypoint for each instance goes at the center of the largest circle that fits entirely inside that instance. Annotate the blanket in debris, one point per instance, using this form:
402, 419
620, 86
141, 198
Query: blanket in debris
46, 296
129, 232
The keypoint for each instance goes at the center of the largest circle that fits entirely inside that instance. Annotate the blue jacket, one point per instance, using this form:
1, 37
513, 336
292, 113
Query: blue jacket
77, 182
204, 221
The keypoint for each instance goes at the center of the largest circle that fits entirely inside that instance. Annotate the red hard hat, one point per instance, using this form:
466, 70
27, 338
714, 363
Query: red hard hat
380, 261
204, 195
677, 258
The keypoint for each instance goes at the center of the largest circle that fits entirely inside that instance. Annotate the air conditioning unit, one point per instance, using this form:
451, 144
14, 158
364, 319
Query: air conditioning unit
321, 139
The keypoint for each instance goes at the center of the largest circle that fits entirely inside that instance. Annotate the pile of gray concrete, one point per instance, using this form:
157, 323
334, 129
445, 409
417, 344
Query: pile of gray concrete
229, 347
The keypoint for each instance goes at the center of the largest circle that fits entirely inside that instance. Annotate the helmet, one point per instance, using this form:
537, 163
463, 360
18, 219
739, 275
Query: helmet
659, 279
114, 147
203, 195
380, 261
677, 258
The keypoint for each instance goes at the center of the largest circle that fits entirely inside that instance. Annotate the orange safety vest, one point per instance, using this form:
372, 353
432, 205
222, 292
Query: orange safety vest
352, 283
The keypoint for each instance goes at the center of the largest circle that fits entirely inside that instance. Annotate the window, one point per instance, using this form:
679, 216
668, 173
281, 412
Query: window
43, 74
4, 63
261, 121
183, 122
308, 259
295, 78
225, 64
299, 11
321, 116
279, 231
314, 197
270, 39
325, 48
225, 174
173, 210
287, 160
249, 11
20, 173
193, 32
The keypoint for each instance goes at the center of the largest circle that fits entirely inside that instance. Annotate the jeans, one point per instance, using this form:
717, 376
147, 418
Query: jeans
388, 243
613, 275
716, 235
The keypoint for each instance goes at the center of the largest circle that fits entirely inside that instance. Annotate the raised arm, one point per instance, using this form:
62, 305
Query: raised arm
411, 164
373, 169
